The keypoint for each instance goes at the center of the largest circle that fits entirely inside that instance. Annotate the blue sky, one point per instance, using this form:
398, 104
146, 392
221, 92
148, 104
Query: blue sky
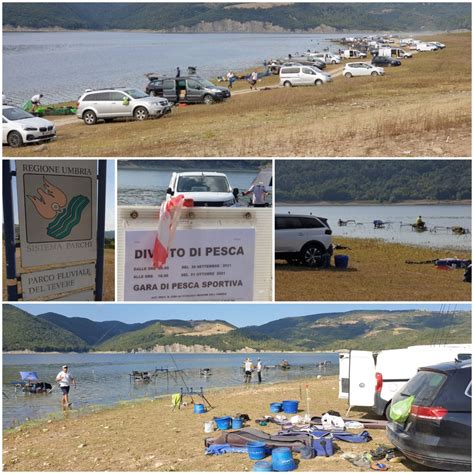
237, 314
110, 198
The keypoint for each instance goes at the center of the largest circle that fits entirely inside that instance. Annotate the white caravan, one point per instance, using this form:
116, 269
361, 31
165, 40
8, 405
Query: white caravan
371, 379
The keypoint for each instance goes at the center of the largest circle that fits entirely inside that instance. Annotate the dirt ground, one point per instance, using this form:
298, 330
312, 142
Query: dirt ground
151, 436
377, 272
422, 108
109, 274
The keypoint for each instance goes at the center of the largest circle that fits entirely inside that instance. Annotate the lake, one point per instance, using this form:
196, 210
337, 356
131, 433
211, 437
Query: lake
434, 216
148, 187
62, 65
103, 379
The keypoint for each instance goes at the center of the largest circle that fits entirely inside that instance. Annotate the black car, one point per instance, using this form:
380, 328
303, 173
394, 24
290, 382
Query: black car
186, 89
385, 61
437, 432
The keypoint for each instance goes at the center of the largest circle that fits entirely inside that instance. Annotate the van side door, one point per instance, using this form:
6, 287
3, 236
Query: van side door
361, 379
195, 91
169, 90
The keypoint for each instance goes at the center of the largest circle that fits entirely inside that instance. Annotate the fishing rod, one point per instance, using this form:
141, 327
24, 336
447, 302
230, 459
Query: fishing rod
179, 370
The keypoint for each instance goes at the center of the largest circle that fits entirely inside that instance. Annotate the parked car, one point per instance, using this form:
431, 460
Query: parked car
303, 76
362, 69
438, 44
328, 58
370, 379
20, 127
204, 188
112, 103
309, 61
385, 61
187, 90
426, 47
302, 238
437, 432
353, 53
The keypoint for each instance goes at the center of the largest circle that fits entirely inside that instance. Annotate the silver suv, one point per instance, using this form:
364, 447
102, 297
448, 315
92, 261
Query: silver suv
108, 104
302, 238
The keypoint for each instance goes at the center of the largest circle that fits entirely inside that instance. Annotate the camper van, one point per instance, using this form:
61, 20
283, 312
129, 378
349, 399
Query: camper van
371, 379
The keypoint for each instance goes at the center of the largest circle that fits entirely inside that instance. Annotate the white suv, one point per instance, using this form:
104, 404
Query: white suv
204, 188
302, 238
109, 104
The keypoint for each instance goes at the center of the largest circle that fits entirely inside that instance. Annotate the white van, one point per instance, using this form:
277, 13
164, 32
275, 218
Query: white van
426, 47
303, 76
371, 379
353, 53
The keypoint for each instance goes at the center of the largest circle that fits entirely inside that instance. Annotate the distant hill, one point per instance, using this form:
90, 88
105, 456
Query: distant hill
238, 17
190, 165
372, 180
23, 331
367, 330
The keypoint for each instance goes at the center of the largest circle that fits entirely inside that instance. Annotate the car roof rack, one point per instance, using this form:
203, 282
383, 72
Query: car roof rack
106, 88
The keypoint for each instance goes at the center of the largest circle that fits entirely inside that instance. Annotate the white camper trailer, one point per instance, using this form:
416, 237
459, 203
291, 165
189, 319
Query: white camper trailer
370, 379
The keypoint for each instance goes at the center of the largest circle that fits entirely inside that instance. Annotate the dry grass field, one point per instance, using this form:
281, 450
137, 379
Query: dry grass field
422, 108
109, 274
377, 272
149, 436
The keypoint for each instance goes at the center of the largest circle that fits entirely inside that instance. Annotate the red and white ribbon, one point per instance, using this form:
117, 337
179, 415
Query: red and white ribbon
167, 223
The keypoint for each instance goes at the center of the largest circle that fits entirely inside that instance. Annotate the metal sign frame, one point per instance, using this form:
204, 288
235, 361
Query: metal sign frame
9, 230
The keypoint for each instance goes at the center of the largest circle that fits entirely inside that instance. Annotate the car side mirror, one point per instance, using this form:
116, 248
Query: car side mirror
169, 191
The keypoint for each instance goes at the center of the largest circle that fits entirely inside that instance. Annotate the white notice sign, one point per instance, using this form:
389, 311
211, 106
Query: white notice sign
46, 283
204, 264
57, 211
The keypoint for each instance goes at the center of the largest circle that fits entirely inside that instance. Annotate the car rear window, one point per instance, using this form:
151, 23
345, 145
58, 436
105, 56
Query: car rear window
424, 386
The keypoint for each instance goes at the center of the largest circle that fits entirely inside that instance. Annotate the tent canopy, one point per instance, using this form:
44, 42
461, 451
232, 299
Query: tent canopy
30, 376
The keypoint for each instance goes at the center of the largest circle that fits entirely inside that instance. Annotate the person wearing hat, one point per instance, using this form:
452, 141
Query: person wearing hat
248, 368
64, 379
259, 193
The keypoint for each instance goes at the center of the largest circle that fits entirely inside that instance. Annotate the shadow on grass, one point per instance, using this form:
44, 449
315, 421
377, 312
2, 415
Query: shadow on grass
301, 268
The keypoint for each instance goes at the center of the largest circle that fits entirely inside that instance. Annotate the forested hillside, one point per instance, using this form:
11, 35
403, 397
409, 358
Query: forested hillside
372, 180
279, 17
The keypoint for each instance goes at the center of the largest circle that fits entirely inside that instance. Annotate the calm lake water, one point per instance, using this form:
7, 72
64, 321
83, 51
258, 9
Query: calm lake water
434, 215
61, 65
148, 187
103, 379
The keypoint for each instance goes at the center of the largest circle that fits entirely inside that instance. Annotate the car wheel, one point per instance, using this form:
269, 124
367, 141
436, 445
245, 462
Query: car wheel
14, 139
318, 82
89, 117
287, 84
333, 61
208, 99
311, 255
374, 73
140, 113
348, 75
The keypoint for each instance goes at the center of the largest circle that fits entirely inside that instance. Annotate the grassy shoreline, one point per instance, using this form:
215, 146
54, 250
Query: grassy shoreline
377, 272
423, 202
150, 436
420, 109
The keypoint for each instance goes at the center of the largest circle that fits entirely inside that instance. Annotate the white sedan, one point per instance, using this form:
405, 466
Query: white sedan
20, 127
362, 69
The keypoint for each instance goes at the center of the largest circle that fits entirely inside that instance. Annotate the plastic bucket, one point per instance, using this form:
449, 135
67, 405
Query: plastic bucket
262, 466
325, 260
208, 426
276, 407
223, 423
290, 406
199, 408
237, 423
341, 261
282, 460
256, 450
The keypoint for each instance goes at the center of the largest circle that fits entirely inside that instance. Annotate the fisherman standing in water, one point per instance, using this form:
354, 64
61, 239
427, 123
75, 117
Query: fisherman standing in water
248, 367
419, 222
64, 378
259, 370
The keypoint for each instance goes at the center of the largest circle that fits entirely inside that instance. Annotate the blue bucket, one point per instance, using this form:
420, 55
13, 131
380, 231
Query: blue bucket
290, 406
256, 450
276, 407
199, 408
262, 466
282, 460
237, 423
341, 261
223, 423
